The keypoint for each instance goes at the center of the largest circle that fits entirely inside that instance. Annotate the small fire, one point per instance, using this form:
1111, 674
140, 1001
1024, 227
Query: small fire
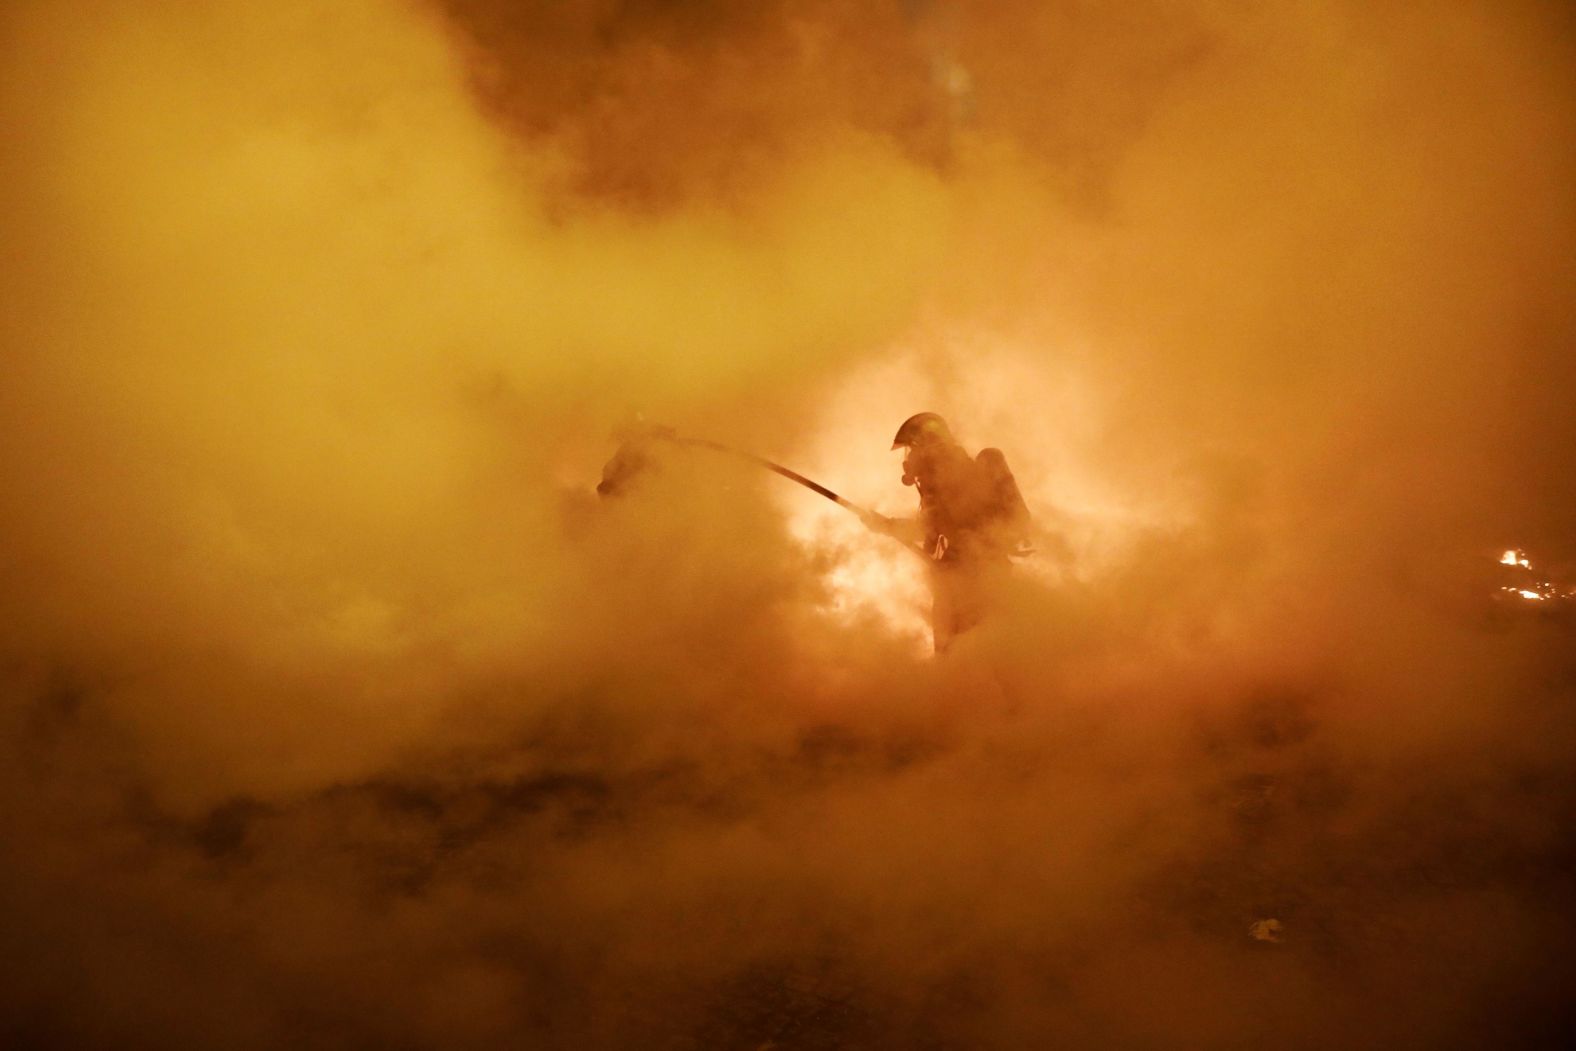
1528, 587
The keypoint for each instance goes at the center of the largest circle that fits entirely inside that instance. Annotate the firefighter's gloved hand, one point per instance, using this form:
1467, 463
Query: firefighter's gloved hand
877, 523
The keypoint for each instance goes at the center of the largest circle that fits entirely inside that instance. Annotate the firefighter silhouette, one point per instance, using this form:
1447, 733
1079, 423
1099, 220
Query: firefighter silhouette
972, 519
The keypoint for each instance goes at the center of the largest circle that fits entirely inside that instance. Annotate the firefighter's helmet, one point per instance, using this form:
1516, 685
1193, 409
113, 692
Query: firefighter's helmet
922, 429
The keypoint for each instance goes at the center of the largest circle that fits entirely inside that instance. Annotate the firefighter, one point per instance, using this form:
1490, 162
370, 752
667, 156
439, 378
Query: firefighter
972, 518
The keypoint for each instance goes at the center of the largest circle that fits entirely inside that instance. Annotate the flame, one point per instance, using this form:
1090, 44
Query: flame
1537, 590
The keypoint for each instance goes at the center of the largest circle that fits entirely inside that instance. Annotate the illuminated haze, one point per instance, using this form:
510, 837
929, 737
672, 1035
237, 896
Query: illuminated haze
340, 712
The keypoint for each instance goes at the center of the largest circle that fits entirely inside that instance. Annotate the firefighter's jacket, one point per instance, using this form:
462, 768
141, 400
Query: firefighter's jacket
970, 509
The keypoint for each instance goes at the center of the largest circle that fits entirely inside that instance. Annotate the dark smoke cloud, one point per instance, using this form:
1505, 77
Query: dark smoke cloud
340, 712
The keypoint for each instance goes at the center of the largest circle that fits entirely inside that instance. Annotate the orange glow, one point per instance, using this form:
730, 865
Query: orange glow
871, 576
338, 707
1048, 421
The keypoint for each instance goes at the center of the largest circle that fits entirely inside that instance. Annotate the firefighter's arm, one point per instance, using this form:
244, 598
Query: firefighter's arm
907, 530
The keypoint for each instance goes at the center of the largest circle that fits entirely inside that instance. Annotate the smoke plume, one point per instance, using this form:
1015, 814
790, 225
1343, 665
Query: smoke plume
340, 711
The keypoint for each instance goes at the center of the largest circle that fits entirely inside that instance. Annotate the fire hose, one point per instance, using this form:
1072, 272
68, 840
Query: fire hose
874, 521
877, 522
791, 475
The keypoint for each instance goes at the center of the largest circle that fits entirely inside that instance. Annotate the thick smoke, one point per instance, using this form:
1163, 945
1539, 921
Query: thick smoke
339, 711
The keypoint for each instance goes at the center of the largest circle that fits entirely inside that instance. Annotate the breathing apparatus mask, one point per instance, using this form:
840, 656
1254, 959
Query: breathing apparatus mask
918, 437
917, 460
